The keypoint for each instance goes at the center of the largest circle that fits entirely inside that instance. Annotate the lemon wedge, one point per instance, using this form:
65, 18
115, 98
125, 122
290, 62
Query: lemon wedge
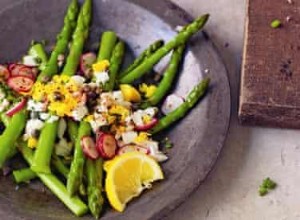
127, 176
130, 93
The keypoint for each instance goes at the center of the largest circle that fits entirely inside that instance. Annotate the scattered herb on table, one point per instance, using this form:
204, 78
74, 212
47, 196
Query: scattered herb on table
266, 186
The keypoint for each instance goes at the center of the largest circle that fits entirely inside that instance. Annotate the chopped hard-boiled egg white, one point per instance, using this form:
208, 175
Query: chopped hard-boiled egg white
35, 106
53, 118
140, 117
79, 112
32, 126
30, 60
78, 80
101, 77
129, 137
2, 94
4, 103
153, 148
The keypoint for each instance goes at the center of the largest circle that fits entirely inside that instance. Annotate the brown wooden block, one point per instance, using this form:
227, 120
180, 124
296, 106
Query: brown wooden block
270, 82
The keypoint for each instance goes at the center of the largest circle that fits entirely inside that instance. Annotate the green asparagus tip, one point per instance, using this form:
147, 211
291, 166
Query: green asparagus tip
204, 17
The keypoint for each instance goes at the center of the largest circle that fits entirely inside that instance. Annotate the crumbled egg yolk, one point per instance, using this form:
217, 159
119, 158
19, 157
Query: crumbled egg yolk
101, 66
32, 142
146, 119
60, 94
147, 90
89, 118
119, 110
143, 136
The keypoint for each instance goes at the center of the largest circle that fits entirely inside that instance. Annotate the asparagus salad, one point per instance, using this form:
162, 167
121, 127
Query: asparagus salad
83, 125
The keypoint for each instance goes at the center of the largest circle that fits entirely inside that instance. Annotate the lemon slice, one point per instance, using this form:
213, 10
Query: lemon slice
128, 175
130, 93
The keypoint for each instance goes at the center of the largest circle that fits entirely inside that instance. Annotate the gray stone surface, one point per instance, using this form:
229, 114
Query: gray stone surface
250, 153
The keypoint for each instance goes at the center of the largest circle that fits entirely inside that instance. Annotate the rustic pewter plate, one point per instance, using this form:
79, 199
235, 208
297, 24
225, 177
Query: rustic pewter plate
198, 138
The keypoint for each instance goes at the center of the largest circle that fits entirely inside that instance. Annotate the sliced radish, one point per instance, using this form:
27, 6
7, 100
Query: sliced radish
4, 72
16, 108
133, 148
171, 103
106, 146
89, 147
22, 70
147, 126
11, 66
20, 83
86, 62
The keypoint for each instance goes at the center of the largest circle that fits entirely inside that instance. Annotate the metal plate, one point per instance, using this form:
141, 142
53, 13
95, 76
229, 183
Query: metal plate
198, 138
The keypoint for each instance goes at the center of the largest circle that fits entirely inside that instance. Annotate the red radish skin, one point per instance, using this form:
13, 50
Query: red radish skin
132, 148
89, 148
86, 62
16, 108
106, 146
148, 126
4, 72
20, 83
11, 66
23, 70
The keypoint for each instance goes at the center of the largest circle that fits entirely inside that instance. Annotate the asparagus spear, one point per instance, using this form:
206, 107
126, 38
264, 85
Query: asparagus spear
193, 97
63, 39
37, 50
60, 166
44, 150
42, 156
57, 187
79, 37
144, 55
115, 64
76, 171
94, 170
167, 80
10, 136
180, 39
5, 119
108, 42
94, 179
72, 130
24, 175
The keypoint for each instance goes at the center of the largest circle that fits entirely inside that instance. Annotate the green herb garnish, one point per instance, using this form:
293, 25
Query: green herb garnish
267, 185
167, 143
